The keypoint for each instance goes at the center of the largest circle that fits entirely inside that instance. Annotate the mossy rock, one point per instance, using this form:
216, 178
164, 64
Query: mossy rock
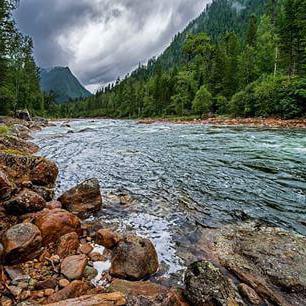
4, 130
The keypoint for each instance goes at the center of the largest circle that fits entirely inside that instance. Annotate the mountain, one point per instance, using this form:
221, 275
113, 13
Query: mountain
63, 83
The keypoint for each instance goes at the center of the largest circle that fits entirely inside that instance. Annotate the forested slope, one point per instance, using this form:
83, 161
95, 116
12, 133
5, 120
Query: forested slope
239, 58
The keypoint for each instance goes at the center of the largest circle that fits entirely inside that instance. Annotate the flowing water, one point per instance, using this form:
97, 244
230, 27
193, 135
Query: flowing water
177, 179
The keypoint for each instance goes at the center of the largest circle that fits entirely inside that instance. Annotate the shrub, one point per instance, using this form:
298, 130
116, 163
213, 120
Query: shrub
202, 103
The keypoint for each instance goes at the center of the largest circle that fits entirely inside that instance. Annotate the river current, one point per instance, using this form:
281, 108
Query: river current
177, 179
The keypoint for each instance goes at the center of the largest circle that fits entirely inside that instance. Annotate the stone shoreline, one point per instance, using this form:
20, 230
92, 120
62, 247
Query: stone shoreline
51, 256
248, 122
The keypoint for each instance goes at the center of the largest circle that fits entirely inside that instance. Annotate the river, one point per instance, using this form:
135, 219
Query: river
178, 179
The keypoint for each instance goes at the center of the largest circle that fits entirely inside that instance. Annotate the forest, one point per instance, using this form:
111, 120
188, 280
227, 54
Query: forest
243, 62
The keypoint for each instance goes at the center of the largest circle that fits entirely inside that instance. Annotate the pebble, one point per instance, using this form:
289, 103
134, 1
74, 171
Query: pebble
63, 282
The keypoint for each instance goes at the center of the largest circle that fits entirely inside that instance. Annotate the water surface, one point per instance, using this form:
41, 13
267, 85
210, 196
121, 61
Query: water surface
182, 178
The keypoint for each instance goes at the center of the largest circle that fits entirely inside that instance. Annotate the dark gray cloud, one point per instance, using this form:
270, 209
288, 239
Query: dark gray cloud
102, 39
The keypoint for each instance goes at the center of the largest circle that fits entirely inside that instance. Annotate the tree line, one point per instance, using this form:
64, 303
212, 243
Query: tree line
255, 70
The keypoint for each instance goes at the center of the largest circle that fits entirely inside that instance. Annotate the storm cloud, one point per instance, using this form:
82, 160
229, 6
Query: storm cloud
102, 39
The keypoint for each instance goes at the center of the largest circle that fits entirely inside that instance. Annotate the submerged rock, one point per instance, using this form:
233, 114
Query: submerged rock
21, 242
26, 201
206, 285
269, 260
57, 222
83, 199
134, 258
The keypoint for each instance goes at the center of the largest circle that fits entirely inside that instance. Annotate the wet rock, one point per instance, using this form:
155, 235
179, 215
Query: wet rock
83, 199
90, 273
107, 238
73, 290
73, 267
270, 260
107, 299
57, 222
134, 258
6, 187
250, 294
23, 115
206, 285
21, 242
38, 170
68, 245
26, 201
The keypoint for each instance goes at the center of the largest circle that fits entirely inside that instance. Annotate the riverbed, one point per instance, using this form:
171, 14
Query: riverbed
179, 179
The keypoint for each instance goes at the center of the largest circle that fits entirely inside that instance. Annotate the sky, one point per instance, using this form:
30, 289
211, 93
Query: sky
102, 39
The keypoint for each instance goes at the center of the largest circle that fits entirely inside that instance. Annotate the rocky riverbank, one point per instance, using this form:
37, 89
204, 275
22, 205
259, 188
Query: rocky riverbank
51, 255
250, 122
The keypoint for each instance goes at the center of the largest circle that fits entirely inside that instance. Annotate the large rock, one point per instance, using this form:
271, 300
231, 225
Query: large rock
38, 170
72, 290
21, 242
24, 202
270, 260
15, 144
6, 187
108, 238
57, 222
134, 258
23, 115
73, 267
83, 199
147, 293
104, 299
68, 245
206, 285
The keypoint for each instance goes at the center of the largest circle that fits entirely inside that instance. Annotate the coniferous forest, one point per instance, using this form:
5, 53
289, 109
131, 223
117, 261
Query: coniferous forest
239, 58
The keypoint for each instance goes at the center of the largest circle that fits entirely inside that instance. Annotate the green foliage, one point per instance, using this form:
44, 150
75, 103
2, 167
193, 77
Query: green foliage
4, 130
241, 58
202, 103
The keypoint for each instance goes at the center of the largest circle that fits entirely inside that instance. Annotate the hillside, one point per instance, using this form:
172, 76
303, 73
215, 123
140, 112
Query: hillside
62, 83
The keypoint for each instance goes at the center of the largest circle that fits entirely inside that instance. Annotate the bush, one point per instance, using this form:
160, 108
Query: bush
202, 103
271, 96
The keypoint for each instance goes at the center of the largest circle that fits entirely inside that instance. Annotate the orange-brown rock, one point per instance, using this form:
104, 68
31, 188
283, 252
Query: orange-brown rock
107, 238
83, 199
68, 245
6, 187
21, 242
21, 168
26, 201
73, 267
134, 258
86, 248
104, 299
249, 294
57, 222
53, 205
73, 290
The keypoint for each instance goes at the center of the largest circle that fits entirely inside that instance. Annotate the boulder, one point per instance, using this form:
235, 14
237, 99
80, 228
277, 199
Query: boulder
23, 115
68, 245
250, 295
73, 267
20, 131
57, 222
107, 238
38, 170
72, 290
26, 201
103, 299
83, 199
206, 285
270, 260
21, 242
6, 187
53, 205
14, 144
134, 258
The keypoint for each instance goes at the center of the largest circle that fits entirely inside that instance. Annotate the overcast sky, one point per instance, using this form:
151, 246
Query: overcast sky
102, 39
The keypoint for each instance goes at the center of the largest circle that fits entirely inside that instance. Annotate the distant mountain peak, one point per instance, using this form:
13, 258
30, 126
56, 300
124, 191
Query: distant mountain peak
63, 83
